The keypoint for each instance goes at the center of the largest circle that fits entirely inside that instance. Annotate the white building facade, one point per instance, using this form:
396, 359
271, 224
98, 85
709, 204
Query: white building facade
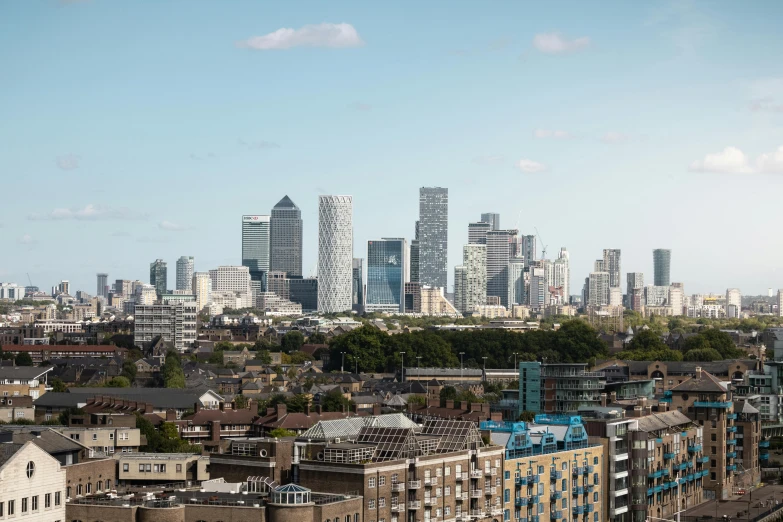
32, 486
202, 289
335, 253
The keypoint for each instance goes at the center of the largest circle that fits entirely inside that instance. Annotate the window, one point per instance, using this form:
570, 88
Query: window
89, 488
712, 476
94, 436
24, 504
595, 461
382, 480
438, 472
47, 500
497, 463
371, 504
2, 509
30, 469
11, 507
447, 491
595, 497
564, 467
447, 510
156, 468
507, 475
163, 468
125, 467
141, 468
507, 495
395, 478
565, 484
371, 482
447, 471
506, 515
179, 468
67, 491
78, 490
35, 503
540, 470
381, 503
148, 468
458, 469
111, 436
438, 492
108, 484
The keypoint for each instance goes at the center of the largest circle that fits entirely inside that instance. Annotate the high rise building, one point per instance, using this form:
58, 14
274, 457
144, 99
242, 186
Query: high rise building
433, 235
473, 276
497, 263
285, 238
516, 281
599, 289
733, 303
335, 253
103, 285
676, 298
386, 269
662, 259
231, 279
539, 290
612, 265
460, 282
656, 295
201, 286
779, 303
515, 247
64, 287
492, 219
634, 280
173, 322
562, 274
185, 266
414, 256
357, 292
255, 249
304, 290
477, 233
529, 250
159, 276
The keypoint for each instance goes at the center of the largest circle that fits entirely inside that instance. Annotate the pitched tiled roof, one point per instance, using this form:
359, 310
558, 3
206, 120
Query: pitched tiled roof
664, 420
706, 383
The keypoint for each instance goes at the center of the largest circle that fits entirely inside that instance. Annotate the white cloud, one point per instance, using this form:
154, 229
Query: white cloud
614, 137
90, 213
555, 43
530, 166
174, 227
26, 239
259, 145
730, 160
771, 162
314, 35
488, 161
68, 162
553, 134
359, 106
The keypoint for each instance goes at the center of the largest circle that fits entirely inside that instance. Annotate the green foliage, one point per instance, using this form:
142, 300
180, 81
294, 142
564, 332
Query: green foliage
278, 433
663, 354
22, 422
240, 402
647, 340
300, 357
264, 356
65, 416
58, 385
216, 357
51, 422
297, 403
527, 416
448, 393
335, 401
126, 341
118, 382
702, 355
292, 341
173, 376
317, 338
164, 440
722, 343
128, 370
421, 400
23, 359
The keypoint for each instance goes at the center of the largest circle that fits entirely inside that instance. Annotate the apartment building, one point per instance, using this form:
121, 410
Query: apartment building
558, 388
32, 484
668, 374
18, 381
162, 468
440, 472
16, 408
105, 441
49, 352
550, 470
174, 322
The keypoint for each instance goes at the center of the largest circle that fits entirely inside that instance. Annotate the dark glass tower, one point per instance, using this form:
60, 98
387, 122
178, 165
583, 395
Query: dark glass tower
662, 259
158, 276
285, 238
433, 236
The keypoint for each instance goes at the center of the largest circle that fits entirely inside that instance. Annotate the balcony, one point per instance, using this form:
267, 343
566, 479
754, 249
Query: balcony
460, 477
432, 481
668, 456
666, 485
475, 473
414, 484
520, 501
555, 515
533, 479
655, 474
590, 488
492, 471
731, 442
578, 490
731, 455
649, 492
578, 470
535, 499
555, 475
589, 508
491, 491
666, 472
694, 449
659, 440
764, 444
430, 501
703, 460
589, 469
764, 456
521, 480
578, 510
398, 487
711, 404
535, 518
414, 504
731, 416
658, 489
682, 466
689, 478
398, 508
477, 513
476, 493
731, 429
731, 467
523, 519
556, 495
463, 496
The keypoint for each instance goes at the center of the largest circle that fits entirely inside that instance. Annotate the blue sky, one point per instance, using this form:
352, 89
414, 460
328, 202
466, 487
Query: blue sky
138, 130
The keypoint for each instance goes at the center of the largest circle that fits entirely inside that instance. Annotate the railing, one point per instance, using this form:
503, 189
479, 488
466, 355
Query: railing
589, 508
655, 474
578, 470
589, 469
731, 455
414, 504
463, 496
578, 510
398, 487
556, 515
578, 490
534, 499
520, 501
521, 480
731, 429
476, 493
432, 481
398, 508
694, 449
475, 473
731, 416
731, 442
414, 484
461, 476
491, 491
555, 475
763, 444
477, 513
429, 501
712, 404
556, 495
703, 460
731, 467
668, 456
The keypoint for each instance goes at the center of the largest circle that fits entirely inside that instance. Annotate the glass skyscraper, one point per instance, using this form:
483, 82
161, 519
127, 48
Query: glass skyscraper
185, 273
386, 268
285, 238
498, 255
492, 219
662, 259
358, 285
158, 276
255, 249
433, 236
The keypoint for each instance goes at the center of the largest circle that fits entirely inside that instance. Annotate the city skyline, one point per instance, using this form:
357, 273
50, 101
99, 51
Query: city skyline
343, 119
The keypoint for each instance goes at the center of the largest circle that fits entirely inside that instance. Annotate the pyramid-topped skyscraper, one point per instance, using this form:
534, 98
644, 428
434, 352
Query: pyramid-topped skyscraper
285, 238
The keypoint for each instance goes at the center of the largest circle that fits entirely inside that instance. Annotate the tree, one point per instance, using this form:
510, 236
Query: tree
216, 357
264, 356
65, 416
448, 393
527, 416
173, 376
317, 338
128, 370
292, 341
722, 342
646, 340
297, 403
279, 433
240, 402
335, 401
58, 385
23, 359
300, 357
696, 342
118, 382
705, 355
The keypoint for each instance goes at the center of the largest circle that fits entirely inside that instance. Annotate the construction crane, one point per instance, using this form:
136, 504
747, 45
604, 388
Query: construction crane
29, 280
543, 246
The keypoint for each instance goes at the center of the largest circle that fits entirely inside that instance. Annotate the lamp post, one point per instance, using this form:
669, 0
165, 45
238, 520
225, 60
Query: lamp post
342, 362
418, 370
402, 370
515, 359
461, 366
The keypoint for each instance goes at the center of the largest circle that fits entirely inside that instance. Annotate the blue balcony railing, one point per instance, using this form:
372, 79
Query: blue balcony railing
731, 416
681, 466
556, 515
555, 475
731, 467
711, 404
535, 499
658, 489
655, 474
659, 440
764, 455
668, 456
703, 460
731, 442
578, 510
731, 429
764, 444
589, 469
521, 480
649, 492
520, 501
556, 495
689, 478
690, 464
578, 470
578, 490
695, 448
731, 455
589, 508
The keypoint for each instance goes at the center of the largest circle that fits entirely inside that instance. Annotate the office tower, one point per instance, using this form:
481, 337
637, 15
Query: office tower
477, 233
662, 260
656, 295
103, 286
539, 290
414, 255
516, 281
11, 291
515, 249
676, 298
305, 292
615, 296
529, 250
612, 265
598, 265
412, 298
562, 274
433, 235
64, 287
634, 280
159, 276
357, 286
145, 295
779, 303
497, 263
285, 238
201, 286
733, 303
231, 279
277, 282
471, 279
255, 249
185, 266
492, 219
599, 289
335, 253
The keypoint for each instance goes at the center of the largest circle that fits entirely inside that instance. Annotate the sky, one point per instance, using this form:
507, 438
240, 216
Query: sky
142, 130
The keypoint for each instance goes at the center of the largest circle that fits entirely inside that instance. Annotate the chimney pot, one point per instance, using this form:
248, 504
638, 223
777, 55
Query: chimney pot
698, 372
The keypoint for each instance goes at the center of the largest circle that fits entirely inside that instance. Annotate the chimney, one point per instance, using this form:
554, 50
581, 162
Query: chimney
318, 409
450, 404
281, 410
222, 406
637, 411
376, 409
409, 407
641, 401
171, 415
307, 408
197, 406
603, 400
354, 408
215, 430
612, 397
698, 372
663, 406
270, 411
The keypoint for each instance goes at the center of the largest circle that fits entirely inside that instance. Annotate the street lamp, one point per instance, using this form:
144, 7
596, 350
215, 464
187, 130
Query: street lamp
418, 371
461, 366
402, 371
515, 359
342, 362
